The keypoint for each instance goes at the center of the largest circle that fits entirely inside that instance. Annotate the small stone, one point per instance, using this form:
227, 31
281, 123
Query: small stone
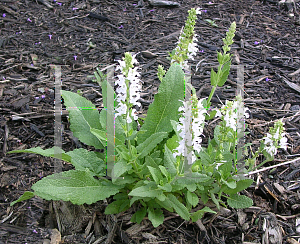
295, 108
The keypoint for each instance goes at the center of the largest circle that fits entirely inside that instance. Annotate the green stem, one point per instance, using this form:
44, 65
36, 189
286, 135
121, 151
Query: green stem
211, 94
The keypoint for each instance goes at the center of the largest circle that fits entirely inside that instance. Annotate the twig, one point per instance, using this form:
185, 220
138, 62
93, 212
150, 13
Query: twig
271, 167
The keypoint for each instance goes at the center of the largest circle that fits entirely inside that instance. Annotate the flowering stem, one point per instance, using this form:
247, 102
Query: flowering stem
211, 94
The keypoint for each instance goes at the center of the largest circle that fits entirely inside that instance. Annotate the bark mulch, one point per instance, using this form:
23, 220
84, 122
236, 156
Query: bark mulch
83, 35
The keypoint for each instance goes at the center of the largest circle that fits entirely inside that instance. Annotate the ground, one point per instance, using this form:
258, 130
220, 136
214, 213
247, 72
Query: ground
83, 35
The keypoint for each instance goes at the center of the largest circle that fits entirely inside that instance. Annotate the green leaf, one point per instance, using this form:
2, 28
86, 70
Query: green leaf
224, 74
213, 77
156, 217
76, 186
150, 143
26, 195
179, 207
166, 187
117, 127
149, 161
127, 179
192, 198
148, 190
169, 162
120, 168
139, 215
193, 177
199, 214
230, 183
239, 201
172, 143
220, 57
166, 204
54, 152
211, 115
165, 172
240, 185
165, 105
123, 152
83, 159
156, 175
225, 169
83, 116
117, 207
214, 199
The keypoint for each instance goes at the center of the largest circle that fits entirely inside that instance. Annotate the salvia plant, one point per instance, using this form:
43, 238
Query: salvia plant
159, 161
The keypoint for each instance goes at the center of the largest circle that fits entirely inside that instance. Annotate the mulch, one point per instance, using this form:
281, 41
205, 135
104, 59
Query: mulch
83, 35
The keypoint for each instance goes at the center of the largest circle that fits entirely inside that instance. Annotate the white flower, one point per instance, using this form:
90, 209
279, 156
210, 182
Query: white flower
192, 48
128, 119
268, 139
272, 141
198, 11
233, 113
272, 150
283, 142
190, 128
132, 80
121, 66
121, 109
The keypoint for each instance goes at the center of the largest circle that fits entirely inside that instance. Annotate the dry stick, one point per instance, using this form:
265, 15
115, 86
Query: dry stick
271, 167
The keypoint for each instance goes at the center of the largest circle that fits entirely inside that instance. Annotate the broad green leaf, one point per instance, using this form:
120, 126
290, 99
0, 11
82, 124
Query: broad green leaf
144, 148
76, 186
123, 152
169, 162
83, 116
120, 168
51, 152
165, 172
166, 187
149, 190
230, 183
191, 187
213, 77
214, 199
165, 105
149, 161
156, 217
224, 74
117, 207
225, 169
239, 201
127, 179
240, 185
172, 143
120, 196
83, 159
179, 207
116, 126
220, 57
199, 214
166, 204
211, 115
193, 177
139, 215
217, 134
101, 135
156, 156
156, 175
26, 195
144, 199
192, 198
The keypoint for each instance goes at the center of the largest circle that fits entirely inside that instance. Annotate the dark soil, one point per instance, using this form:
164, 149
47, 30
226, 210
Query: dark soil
83, 35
